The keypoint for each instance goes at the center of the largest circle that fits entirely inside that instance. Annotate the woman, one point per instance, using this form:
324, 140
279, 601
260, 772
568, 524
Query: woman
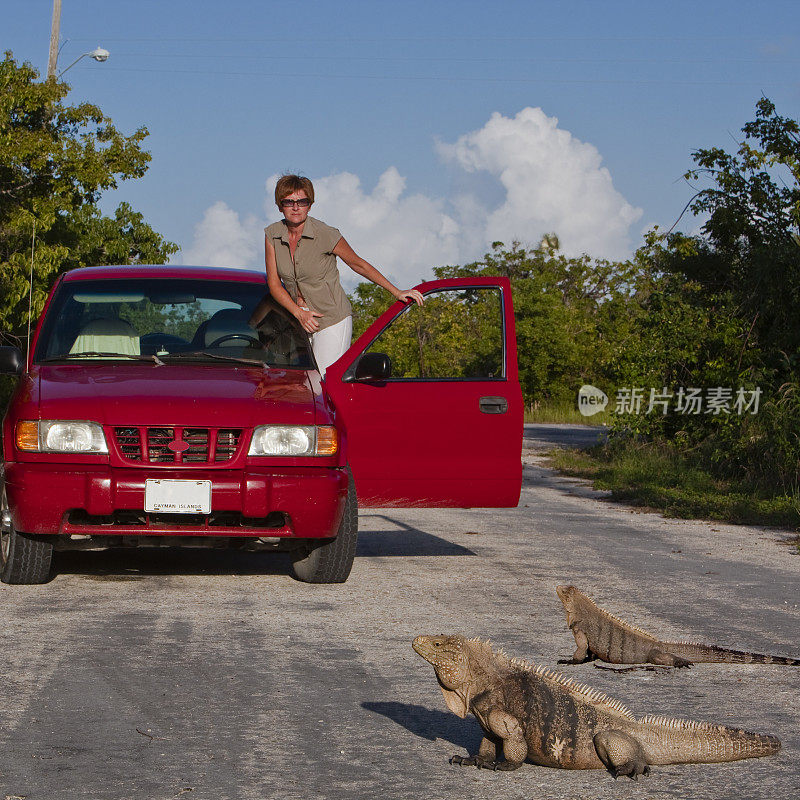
300, 254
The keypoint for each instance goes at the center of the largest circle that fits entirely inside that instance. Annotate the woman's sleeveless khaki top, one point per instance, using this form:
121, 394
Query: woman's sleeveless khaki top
313, 273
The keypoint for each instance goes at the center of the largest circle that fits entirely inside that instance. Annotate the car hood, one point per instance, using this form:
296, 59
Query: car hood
225, 395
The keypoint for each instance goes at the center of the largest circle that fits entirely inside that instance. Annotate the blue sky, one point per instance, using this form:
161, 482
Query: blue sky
429, 128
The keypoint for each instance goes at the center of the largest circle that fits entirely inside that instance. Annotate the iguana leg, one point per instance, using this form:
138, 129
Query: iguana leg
581, 653
505, 728
621, 753
667, 659
487, 753
508, 729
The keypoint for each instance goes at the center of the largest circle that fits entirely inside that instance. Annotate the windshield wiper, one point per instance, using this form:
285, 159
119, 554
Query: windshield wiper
202, 353
98, 354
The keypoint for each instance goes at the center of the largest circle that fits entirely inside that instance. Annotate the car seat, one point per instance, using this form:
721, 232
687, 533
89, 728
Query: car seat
110, 335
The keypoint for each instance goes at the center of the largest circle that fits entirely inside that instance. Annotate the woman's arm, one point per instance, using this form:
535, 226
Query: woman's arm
305, 317
365, 269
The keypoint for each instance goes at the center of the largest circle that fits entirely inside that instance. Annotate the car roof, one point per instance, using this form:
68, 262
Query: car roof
166, 271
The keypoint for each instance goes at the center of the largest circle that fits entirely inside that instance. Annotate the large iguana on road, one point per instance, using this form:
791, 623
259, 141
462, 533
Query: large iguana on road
531, 712
599, 634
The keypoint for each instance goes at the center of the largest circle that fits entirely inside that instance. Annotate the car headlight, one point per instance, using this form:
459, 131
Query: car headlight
294, 440
60, 436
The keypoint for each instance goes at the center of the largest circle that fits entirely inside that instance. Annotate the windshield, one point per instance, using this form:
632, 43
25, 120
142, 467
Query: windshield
169, 320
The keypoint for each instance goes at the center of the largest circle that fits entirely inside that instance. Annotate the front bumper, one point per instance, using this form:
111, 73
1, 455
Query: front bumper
303, 502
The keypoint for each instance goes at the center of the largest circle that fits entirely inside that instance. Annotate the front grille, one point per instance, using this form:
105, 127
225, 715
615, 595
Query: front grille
144, 445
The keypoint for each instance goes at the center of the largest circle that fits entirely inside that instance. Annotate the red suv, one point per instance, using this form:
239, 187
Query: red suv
152, 411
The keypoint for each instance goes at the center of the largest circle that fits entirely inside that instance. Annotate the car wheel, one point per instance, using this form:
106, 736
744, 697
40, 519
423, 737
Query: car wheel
330, 560
23, 558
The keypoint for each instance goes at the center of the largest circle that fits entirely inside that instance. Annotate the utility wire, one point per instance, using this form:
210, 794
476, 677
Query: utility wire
432, 39
446, 60
429, 78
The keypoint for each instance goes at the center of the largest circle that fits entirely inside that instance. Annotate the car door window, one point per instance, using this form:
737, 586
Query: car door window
456, 335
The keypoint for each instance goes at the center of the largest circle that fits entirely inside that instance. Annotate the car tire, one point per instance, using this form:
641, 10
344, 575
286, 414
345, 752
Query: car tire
24, 558
330, 560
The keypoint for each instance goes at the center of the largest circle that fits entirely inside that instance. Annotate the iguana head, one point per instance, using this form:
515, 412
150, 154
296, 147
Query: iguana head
570, 598
449, 656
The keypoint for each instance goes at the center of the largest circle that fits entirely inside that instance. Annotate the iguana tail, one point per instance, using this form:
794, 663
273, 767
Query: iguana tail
680, 741
700, 653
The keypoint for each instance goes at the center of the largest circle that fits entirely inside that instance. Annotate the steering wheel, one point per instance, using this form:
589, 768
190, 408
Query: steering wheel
229, 336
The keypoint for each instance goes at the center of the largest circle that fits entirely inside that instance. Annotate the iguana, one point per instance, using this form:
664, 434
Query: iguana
537, 714
599, 634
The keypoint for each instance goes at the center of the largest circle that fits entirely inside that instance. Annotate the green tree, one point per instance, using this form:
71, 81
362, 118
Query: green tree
56, 160
369, 302
723, 306
751, 248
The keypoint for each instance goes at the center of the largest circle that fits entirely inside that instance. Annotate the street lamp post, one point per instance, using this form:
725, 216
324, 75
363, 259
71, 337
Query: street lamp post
98, 54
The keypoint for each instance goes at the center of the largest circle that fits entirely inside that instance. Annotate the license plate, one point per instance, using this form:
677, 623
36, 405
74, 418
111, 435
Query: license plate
177, 497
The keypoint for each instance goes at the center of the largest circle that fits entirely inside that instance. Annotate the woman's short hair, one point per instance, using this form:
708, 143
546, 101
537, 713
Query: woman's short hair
289, 184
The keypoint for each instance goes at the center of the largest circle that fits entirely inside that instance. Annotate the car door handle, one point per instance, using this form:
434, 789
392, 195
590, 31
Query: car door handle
493, 405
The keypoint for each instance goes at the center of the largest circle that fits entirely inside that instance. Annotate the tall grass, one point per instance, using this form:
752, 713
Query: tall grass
555, 412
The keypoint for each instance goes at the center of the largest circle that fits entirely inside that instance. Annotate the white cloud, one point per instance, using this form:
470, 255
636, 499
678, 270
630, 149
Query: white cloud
552, 181
548, 181
222, 239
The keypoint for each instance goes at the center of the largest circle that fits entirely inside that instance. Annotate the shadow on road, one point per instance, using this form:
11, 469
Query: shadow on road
131, 564
404, 541
429, 723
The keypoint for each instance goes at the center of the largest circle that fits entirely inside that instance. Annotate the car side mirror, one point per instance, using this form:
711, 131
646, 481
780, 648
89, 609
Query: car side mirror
11, 361
374, 367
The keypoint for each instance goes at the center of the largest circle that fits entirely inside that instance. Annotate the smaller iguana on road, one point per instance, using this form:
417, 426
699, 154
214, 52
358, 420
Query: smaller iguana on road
599, 634
530, 712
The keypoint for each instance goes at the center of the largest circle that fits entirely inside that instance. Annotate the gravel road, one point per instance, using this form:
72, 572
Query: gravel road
212, 675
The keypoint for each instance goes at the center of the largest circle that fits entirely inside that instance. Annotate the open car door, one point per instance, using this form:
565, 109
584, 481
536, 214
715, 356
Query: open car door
431, 401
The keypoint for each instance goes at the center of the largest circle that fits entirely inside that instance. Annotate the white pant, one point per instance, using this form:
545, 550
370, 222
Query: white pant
330, 343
